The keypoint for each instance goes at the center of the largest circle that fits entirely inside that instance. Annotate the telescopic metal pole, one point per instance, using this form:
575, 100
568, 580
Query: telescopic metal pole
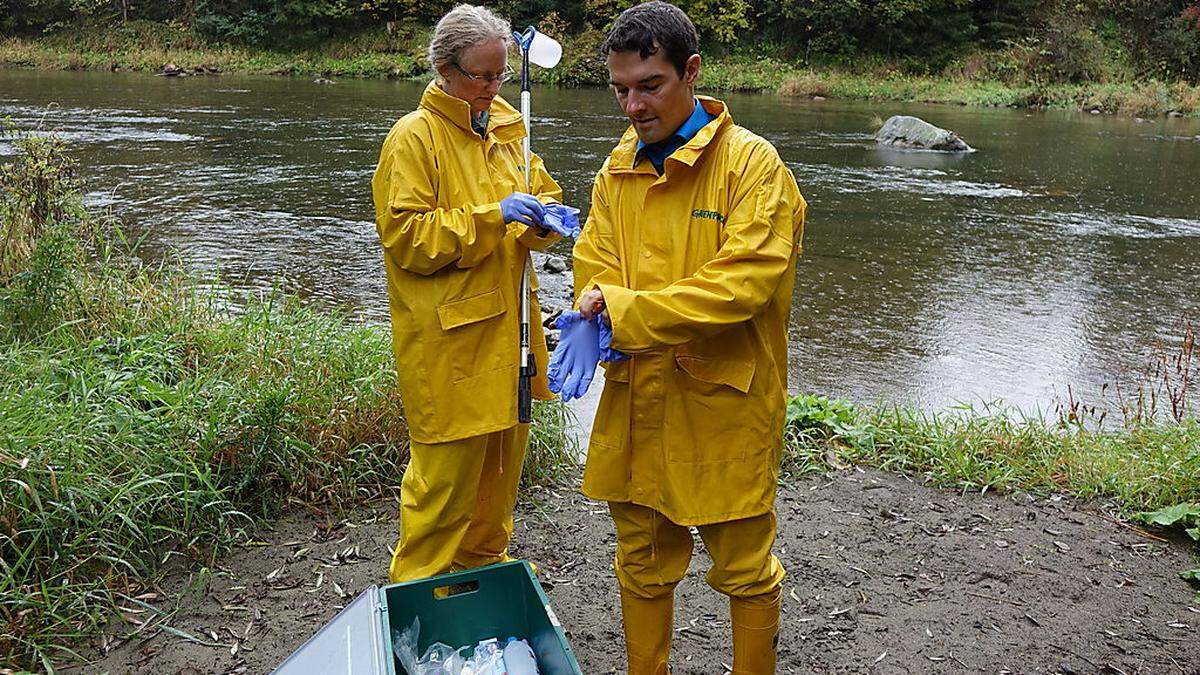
528, 366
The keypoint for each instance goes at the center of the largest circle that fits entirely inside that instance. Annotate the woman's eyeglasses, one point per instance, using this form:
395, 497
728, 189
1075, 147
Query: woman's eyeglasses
482, 77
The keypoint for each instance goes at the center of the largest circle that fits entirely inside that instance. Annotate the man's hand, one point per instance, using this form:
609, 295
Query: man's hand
591, 304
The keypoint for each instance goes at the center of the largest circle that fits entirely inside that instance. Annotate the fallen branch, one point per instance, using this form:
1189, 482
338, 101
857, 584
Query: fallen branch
1136, 530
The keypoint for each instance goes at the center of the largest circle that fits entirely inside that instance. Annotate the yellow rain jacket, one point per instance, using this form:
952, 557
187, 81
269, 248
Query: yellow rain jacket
697, 268
454, 266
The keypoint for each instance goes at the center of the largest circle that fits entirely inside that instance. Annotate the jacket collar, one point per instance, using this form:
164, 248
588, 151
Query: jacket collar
623, 158
504, 121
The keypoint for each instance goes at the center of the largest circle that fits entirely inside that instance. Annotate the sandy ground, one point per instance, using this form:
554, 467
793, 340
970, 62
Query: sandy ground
885, 576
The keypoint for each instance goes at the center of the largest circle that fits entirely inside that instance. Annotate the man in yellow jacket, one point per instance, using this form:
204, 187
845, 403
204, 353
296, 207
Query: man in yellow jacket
456, 227
689, 252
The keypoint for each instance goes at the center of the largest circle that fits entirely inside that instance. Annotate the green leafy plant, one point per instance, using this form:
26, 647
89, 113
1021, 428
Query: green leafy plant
820, 417
1183, 514
1186, 515
819, 434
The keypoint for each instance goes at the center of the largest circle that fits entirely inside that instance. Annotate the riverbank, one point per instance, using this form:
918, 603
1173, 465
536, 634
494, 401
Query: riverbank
885, 575
148, 47
154, 423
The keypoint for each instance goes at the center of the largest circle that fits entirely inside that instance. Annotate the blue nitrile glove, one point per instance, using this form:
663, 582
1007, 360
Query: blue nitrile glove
607, 353
562, 219
522, 208
574, 361
555, 371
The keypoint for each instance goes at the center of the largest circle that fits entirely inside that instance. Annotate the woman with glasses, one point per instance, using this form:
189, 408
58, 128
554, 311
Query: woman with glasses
456, 222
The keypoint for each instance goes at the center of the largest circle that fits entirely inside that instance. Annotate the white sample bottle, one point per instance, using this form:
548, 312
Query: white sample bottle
518, 658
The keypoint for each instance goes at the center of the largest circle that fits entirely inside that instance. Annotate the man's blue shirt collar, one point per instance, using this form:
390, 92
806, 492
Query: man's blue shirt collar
658, 152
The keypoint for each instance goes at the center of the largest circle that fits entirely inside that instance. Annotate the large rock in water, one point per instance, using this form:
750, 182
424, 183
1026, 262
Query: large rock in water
914, 133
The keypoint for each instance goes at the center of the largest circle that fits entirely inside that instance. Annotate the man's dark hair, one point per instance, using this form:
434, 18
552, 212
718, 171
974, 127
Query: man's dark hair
650, 27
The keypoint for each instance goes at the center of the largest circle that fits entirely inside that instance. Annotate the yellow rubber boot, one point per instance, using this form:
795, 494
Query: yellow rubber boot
648, 626
755, 632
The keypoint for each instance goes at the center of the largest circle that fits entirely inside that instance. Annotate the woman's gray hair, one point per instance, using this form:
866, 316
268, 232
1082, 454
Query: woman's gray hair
462, 27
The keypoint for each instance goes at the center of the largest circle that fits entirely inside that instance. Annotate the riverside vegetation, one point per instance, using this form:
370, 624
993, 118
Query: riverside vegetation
1135, 57
152, 420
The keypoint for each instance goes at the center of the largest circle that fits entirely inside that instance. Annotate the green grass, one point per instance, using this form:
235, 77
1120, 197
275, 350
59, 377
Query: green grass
553, 453
978, 80
1137, 449
147, 417
1133, 98
148, 46
1137, 467
123, 445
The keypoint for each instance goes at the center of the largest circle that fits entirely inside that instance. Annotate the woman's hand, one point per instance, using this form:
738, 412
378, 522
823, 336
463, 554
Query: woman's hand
522, 208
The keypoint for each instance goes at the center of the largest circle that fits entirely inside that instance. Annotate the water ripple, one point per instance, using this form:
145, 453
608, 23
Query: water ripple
849, 179
1116, 225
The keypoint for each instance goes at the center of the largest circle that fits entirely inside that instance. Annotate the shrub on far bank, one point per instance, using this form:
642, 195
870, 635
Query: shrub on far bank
805, 84
1054, 41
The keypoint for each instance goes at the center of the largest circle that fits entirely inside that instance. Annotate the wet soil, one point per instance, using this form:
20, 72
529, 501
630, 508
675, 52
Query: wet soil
885, 576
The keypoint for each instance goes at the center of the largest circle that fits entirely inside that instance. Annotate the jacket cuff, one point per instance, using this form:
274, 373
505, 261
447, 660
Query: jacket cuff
531, 238
618, 300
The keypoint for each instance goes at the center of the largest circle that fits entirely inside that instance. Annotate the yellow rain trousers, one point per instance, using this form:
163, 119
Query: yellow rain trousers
697, 267
454, 271
653, 555
471, 485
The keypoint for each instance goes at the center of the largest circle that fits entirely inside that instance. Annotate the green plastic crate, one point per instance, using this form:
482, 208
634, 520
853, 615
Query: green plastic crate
464, 608
458, 609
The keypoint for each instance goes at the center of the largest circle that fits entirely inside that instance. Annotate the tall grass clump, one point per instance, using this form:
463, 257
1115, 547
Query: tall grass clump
553, 453
142, 417
808, 83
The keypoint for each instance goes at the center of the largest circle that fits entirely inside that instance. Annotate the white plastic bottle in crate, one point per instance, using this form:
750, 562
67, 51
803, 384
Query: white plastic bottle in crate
518, 658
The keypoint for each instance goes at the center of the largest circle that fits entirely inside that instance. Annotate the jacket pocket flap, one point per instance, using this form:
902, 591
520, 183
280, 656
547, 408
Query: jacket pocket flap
617, 371
729, 372
470, 310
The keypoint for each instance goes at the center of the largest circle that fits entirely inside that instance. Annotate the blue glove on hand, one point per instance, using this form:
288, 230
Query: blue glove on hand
574, 361
562, 219
607, 353
522, 208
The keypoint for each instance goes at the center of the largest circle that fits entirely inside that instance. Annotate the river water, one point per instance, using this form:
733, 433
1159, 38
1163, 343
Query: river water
1062, 253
